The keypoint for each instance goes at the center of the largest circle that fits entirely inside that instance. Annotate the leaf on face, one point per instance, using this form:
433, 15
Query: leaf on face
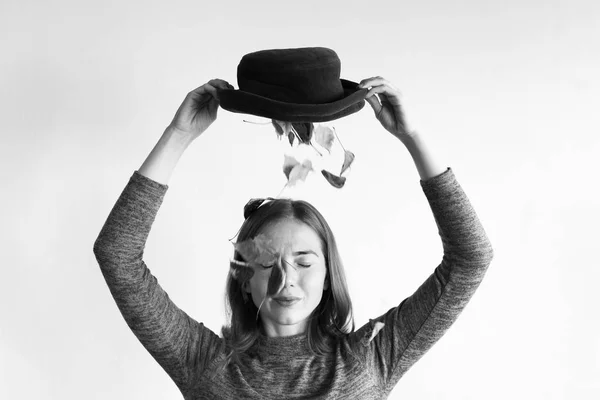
264, 244
241, 271
276, 280
299, 172
334, 180
324, 136
258, 250
348, 158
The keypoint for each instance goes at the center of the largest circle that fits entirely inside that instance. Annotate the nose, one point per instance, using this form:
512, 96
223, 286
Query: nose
291, 273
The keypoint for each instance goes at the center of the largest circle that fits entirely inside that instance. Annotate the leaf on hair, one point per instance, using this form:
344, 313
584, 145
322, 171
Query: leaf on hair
240, 270
258, 250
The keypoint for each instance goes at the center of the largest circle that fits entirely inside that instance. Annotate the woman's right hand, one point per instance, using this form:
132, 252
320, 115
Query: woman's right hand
199, 109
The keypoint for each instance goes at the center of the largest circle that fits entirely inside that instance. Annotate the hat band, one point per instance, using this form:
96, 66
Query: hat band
300, 93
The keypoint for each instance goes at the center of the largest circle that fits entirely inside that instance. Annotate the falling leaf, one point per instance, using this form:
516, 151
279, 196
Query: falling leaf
299, 172
304, 131
288, 164
334, 180
348, 158
324, 136
240, 270
258, 250
284, 128
278, 127
276, 280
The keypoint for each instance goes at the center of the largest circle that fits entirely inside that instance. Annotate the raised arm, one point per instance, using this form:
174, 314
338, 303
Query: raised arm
385, 101
400, 337
181, 345
197, 112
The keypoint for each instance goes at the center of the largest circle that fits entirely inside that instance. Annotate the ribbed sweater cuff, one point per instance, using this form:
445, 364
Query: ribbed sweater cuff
147, 184
440, 185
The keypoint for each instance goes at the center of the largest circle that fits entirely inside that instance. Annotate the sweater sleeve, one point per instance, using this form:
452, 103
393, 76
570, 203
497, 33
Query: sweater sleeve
412, 328
181, 345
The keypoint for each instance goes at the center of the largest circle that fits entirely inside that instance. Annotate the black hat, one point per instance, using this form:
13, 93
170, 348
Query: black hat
293, 85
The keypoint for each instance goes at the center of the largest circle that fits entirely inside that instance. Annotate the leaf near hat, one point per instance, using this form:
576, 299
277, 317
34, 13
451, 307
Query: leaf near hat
293, 85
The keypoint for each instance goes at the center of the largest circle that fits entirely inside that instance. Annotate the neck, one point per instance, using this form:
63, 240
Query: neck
276, 330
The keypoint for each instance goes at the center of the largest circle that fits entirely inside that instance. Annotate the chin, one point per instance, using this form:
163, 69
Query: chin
291, 317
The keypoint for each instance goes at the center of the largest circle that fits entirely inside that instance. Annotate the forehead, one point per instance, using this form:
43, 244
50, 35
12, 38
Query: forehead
293, 235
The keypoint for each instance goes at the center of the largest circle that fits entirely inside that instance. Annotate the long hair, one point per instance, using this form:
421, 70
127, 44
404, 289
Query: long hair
332, 318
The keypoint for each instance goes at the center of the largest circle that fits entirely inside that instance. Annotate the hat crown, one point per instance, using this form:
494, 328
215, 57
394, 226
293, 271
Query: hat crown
303, 76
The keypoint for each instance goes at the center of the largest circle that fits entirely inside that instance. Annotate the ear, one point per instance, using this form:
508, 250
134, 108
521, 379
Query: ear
246, 287
326, 283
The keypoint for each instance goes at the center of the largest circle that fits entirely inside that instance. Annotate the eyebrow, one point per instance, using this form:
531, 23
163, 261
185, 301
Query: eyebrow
299, 253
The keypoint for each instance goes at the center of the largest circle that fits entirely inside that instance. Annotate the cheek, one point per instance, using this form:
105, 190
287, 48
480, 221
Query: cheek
315, 282
311, 282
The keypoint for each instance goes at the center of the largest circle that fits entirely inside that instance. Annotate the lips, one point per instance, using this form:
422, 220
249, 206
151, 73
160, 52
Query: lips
287, 301
286, 298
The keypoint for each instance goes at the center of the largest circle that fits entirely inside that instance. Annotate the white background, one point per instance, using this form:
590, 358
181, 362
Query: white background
505, 92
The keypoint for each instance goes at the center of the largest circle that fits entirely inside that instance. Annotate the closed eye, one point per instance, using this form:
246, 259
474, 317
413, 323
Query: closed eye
299, 264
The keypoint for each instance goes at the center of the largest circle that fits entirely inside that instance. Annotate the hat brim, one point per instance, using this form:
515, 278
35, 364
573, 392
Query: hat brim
238, 101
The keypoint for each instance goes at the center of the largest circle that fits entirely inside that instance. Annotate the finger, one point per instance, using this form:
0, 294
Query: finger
379, 81
389, 99
212, 90
386, 95
374, 81
208, 87
375, 104
204, 89
220, 84
377, 89
213, 107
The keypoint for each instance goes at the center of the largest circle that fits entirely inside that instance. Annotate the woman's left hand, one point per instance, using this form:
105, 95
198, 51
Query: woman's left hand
384, 98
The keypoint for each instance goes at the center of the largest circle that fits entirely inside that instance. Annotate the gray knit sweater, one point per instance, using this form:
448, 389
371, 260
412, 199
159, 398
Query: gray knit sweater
284, 368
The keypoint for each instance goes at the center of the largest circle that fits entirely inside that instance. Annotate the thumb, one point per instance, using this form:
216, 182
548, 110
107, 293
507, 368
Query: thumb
213, 107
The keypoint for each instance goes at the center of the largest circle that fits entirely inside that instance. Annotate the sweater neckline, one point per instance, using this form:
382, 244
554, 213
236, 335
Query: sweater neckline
288, 346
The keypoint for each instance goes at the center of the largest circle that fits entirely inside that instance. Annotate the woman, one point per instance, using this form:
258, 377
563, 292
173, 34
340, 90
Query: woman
300, 342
